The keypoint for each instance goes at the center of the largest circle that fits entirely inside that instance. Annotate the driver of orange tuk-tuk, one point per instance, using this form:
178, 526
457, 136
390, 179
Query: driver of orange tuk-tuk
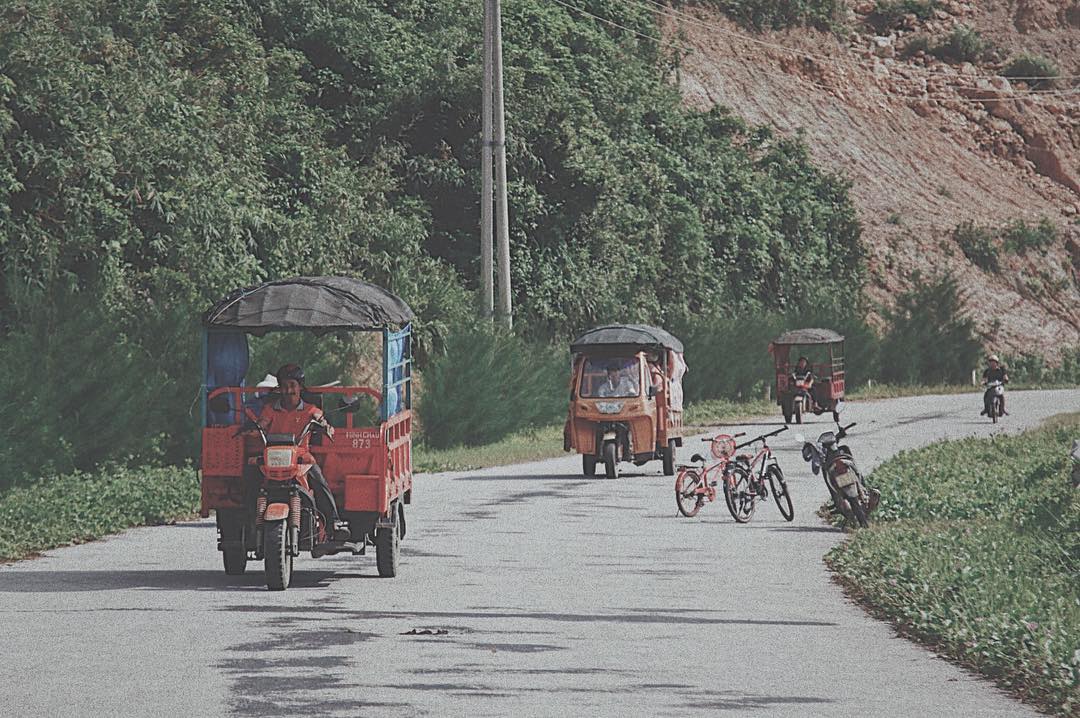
290, 414
617, 384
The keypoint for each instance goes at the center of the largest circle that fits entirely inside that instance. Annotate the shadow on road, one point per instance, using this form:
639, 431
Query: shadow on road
574, 478
78, 581
616, 615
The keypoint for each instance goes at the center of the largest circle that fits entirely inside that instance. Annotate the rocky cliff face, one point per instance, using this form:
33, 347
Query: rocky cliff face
928, 144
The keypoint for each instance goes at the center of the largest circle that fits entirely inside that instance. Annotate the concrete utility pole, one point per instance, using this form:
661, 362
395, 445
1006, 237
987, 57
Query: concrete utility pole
501, 214
486, 224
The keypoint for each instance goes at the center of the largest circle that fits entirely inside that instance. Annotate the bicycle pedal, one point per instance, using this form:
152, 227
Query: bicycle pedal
712, 483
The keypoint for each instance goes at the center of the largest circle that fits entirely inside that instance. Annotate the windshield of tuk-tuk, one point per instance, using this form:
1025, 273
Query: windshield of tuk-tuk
610, 377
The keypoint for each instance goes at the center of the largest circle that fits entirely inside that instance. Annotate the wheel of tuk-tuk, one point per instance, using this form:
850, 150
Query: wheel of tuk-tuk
233, 551
588, 464
235, 560
388, 548
611, 463
669, 458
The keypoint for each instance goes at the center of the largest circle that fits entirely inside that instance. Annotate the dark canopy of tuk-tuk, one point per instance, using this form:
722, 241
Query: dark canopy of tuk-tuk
321, 304
630, 336
809, 336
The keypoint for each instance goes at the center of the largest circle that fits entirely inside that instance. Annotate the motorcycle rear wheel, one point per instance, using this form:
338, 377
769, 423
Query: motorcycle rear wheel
859, 512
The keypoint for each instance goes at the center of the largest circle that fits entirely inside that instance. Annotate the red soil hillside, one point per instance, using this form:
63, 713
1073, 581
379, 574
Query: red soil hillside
927, 145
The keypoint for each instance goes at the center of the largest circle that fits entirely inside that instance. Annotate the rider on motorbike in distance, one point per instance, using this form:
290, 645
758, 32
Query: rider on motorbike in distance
994, 372
805, 374
290, 414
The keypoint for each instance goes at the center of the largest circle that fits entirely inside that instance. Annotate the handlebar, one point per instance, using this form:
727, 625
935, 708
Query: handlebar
311, 427
733, 436
781, 430
842, 432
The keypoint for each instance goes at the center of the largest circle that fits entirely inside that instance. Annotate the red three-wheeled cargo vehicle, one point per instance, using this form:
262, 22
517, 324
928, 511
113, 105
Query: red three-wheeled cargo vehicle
255, 482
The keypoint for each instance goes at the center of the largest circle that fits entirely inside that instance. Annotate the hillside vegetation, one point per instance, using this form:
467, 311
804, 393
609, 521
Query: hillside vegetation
157, 155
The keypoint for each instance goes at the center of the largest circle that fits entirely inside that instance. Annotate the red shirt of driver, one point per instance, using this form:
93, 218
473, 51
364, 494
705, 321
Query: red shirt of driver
276, 419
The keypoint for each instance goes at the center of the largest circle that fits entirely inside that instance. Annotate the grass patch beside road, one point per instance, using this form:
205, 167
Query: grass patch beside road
527, 445
977, 552
547, 442
74, 508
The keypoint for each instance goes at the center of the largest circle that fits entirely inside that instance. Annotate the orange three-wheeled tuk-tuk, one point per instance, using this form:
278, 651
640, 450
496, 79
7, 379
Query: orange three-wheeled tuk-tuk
825, 354
244, 471
625, 397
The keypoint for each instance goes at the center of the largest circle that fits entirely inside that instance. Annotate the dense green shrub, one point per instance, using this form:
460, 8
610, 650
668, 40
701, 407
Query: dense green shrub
929, 340
86, 391
1034, 369
1019, 236
1035, 70
977, 244
488, 384
963, 44
888, 14
778, 14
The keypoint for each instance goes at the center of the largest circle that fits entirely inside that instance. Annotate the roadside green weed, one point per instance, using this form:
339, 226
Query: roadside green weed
977, 551
73, 508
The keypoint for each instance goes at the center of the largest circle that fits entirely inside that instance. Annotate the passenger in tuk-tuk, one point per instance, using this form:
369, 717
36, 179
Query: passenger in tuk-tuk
656, 373
290, 414
617, 384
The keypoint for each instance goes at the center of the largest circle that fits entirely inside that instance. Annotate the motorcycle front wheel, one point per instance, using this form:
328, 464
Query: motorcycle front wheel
277, 558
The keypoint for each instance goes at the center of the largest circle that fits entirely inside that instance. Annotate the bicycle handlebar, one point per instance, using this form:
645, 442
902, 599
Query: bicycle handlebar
733, 436
781, 430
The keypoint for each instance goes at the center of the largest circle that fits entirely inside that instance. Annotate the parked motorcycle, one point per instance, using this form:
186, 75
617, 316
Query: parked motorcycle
996, 390
850, 495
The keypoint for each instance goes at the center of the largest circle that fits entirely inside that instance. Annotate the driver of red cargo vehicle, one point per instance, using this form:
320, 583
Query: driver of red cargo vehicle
290, 414
803, 374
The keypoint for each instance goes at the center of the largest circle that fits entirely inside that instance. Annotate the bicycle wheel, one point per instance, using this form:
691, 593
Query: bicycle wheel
780, 492
738, 494
687, 497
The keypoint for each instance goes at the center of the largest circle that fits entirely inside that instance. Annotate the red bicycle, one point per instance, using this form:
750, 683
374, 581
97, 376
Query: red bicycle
744, 482
696, 483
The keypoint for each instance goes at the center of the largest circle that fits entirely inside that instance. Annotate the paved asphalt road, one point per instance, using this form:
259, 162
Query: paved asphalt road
551, 595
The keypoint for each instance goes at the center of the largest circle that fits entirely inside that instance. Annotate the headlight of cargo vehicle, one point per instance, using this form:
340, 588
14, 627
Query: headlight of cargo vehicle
279, 458
609, 407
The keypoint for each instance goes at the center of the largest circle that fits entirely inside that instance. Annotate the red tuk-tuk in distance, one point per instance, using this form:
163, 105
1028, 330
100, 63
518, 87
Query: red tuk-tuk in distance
254, 482
824, 349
